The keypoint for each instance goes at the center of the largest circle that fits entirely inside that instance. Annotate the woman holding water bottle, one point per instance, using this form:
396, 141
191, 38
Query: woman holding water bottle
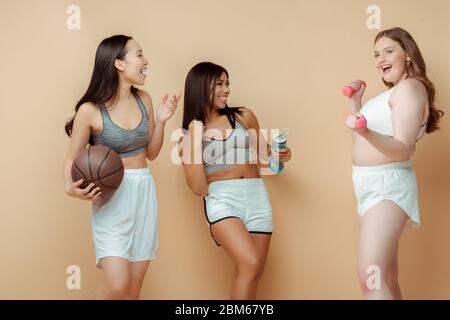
237, 205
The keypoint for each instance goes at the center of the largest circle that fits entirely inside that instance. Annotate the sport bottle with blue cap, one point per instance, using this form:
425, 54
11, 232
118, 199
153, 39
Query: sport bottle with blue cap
278, 142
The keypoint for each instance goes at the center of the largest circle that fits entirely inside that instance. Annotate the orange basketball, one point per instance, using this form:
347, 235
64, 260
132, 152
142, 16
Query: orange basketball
100, 165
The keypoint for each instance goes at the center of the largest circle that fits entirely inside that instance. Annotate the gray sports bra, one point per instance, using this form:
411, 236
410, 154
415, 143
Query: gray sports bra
125, 142
220, 154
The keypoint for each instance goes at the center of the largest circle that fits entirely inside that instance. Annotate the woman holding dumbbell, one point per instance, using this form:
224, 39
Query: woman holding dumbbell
227, 174
385, 132
115, 114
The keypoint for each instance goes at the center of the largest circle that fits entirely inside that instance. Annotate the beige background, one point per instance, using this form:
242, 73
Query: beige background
288, 61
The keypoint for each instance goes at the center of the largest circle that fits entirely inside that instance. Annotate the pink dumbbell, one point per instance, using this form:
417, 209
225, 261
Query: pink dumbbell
361, 122
348, 91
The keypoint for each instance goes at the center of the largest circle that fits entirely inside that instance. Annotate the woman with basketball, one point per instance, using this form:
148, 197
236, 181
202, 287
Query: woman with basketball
114, 113
237, 205
383, 177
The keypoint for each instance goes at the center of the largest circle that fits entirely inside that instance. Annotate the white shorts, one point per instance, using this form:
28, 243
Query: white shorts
244, 199
394, 181
127, 225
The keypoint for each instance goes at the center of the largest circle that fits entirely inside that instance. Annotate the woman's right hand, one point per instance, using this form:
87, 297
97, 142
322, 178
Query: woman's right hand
88, 193
359, 87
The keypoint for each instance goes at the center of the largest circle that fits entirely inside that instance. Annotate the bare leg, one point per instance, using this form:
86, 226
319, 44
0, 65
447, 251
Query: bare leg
380, 230
262, 242
235, 240
137, 274
117, 278
393, 279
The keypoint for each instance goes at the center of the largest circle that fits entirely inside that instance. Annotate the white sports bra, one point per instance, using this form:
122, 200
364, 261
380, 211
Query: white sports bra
378, 114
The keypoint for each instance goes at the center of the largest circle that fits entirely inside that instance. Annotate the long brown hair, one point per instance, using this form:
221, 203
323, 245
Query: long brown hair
199, 94
105, 79
415, 69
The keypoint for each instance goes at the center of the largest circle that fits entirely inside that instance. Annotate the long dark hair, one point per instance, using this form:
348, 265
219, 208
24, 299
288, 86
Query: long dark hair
415, 69
199, 93
105, 79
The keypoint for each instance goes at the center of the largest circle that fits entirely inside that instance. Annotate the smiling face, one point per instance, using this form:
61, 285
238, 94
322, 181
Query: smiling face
134, 66
391, 60
222, 90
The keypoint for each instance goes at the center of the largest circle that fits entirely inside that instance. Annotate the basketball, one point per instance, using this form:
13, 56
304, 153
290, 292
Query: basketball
99, 165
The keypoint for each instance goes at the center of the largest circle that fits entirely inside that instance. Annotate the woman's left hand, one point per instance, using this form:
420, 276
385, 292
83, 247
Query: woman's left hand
167, 108
357, 122
284, 155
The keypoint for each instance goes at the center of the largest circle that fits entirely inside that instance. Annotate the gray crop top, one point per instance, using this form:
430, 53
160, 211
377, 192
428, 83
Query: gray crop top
220, 154
125, 142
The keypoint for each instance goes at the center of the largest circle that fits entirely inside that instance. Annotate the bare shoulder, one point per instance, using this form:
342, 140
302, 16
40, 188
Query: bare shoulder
87, 112
410, 87
247, 117
145, 97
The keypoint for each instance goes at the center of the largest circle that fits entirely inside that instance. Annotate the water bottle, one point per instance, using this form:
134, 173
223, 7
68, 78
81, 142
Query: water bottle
278, 142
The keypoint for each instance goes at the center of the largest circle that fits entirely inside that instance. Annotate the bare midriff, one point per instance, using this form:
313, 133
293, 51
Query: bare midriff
237, 171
